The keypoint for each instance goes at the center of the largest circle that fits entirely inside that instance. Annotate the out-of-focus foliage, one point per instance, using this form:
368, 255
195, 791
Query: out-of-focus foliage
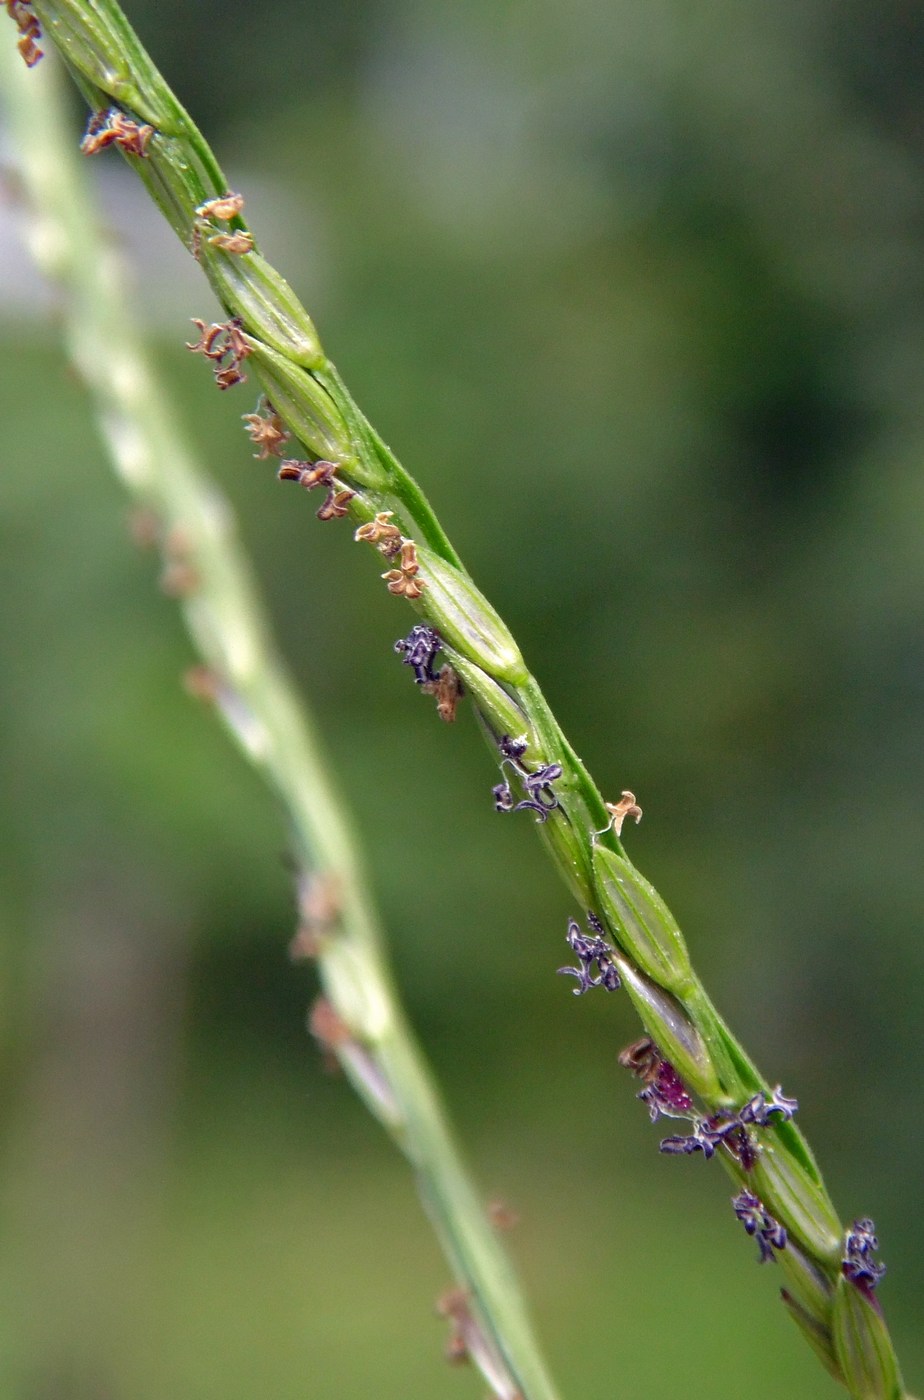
635, 291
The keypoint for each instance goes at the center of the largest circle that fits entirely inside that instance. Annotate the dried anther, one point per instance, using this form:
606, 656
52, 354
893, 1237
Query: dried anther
180, 579
468, 1342
112, 127
336, 504
318, 911
202, 683
536, 783
238, 242
226, 206
267, 430
665, 1094
619, 811
448, 690
759, 1224
403, 580
309, 475
590, 949
224, 343
858, 1263
382, 533
502, 1216
26, 21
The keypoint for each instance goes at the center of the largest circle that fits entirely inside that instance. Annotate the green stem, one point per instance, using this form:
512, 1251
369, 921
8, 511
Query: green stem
257, 701
649, 949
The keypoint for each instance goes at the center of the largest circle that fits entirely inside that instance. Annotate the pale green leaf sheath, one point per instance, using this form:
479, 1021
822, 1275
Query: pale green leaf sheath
688, 1053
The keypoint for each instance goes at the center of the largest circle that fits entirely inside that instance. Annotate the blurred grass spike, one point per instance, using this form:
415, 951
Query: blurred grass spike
359, 1019
182, 174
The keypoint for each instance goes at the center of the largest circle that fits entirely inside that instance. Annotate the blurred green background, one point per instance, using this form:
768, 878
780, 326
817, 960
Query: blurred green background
635, 291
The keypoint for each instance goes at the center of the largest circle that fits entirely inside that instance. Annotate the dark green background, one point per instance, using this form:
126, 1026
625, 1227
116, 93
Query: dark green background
635, 291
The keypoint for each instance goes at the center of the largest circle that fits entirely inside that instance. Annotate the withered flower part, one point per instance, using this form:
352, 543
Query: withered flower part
590, 949
468, 1341
112, 127
202, 683
223, 343
502, 1216
403, 580
419, 648
759, 1224
237, 242
26, 21
858, 1263
144, 527
335, 1037
665, 1094
619, 811
310, 475
382, 533
225, 207
180, 579
227, 378
448, 689
319, 898
267, 430
327, 1026
318, 909
307, 474
336, 504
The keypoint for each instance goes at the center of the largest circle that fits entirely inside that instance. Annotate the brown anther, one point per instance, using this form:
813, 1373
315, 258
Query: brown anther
144, 527
226, 206
328, 1026
319, 909
319, 900
202, 683
114, 128
221, 341
26, 21
29, 49
337, 503
454, 1306
448, 689
403, 585
403, 581
619, 811
502, 1216
382, 533
305, 945
237, 242
267, 431
208, 335
467, 1338
179, 580
307, 474
178, 544
642, 1058
227, 378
